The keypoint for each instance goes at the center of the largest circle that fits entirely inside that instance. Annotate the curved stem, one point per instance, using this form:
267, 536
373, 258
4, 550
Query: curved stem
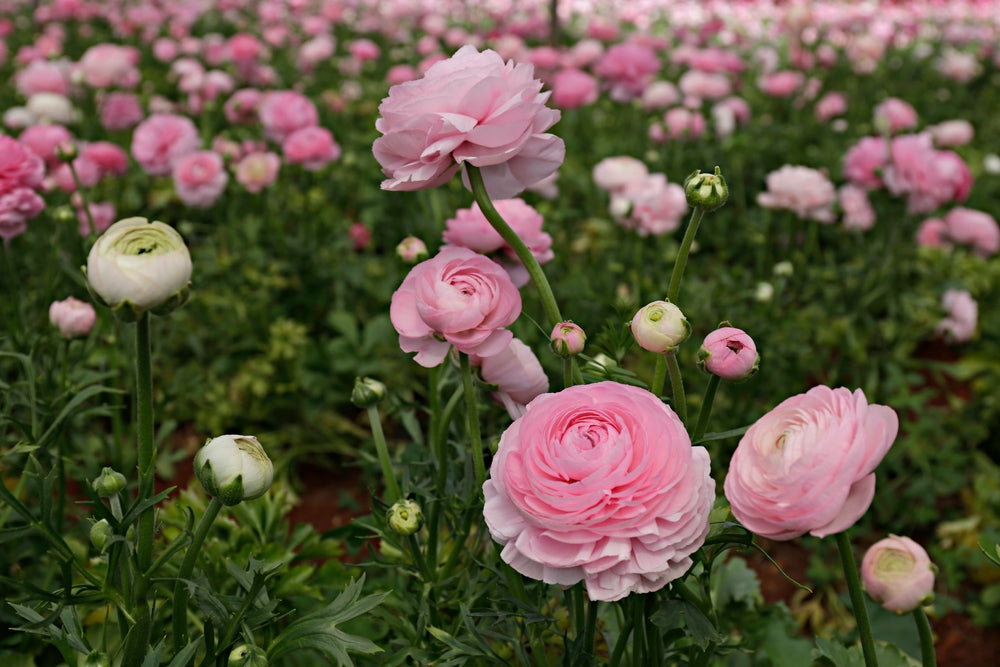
682, 254
857, 599
187, 566
472, 422
706, 408
391, 487
144, 426
927, 655
676, 385
511, 238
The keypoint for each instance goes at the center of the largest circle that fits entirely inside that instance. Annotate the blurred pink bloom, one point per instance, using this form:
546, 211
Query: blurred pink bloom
364, 49
103, 213
584, 52
933, 233
17, 206
864, 161
110, 158
19, 166
315, 51
241, 107
42, 140
627, 68
42, 76
401, 74
312, 147
110, 66
715, 60
258, 170
72, 317
806, 191
161, 140
660, 95
615, 173
958, 65
894, 115
858, 211
976, 228
244, 47
87, 172
120, 111
652, 205
782, 83
704, 86
200, 178
682, 122
573, 88
470, 108
959, 325
165, 49
544, 57
283, 112
928, 177
951, 133
739, 107
458, 298
360, 235
831, 105
517, 374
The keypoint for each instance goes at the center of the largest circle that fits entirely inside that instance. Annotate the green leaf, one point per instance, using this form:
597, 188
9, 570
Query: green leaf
734, 581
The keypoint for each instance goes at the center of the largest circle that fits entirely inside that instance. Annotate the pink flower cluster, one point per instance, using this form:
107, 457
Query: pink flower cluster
806, 191
961, 225
21, 174
641, 201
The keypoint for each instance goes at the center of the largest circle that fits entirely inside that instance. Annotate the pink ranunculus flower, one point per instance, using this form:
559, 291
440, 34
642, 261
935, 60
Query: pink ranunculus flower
110, 65
959, 325
401, 73
17, 206
42, 76
313, 147
283, 112
660, 95
898, 574
470, 229
782, 83
43, 140
951, 133
517, 374
241, 107
200, 178
87, 172
103, 213
858, 211
830, 106
599, 483
865, 160
258, 170
110, 158
120, 111
806, 191
161, 140
704, 85
471, 108
573, 88
683, 122
729, 353
894, 115
72, 317
807, 466
628, 68
458, 297
928, 177
933, 233
614, 173
976, 228
654, 206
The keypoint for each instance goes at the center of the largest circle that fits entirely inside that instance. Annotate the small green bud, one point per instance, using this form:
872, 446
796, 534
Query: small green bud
709, 191
66, 151
405, 517
100, 533
109, 483
97, 659
246, 655
367, 392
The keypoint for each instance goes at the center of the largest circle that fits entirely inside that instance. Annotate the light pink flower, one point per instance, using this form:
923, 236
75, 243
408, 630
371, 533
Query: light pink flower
655, 206
858, 211
660, 95
704, 86
459, 298
364, 49
898, 574
933, 233
43, 140
729, 353
72, 317
244, 48
950, 133
17, 206
830, 106
894, 115
928, 177
258, 170
683, 122
161, 140
976, 228
120, 111
781, 84
200, 178
42, 76
110, 158
599, 483
241, 107
110, 66
573, 88
470, 108
103, 213
517, 374
627, 68
806, 191
401, 74
864, 161
283, 112
312, 147
614, 173
959, 325
807, 466
87, 172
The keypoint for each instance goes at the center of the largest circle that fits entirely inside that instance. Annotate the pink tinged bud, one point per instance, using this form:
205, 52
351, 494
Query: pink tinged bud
729, 353
567, 339
360, 235
412, 250
660, 327
72, 317
898, 574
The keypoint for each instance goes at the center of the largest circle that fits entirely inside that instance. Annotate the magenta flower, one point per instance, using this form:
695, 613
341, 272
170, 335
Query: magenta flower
807, 466
599, 483
161, 140
470, 108
458, 298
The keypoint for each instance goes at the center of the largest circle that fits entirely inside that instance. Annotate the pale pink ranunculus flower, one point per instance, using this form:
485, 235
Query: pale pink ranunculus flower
241, 107
683, 122
858, 211
654, 206
109, 66
161, 140
17, 206
120, 111
88, 173
627, 68
898, 574
244, 47
19, 166
704, 85
200, 178
660, 95
928, 177
110, 158
933, 233
103, 213
517, 374
458, 297
72, 317
315, 51
471, 108
599, 483
470, 229
864, 161
313, 147
962, 315
282, 112
894, 115
364, 49
959, 66
782, 83
804, 190
44, 140
258, 170
975, 228
573, 88
42, 76
401, 73
808, 465
951, 133
830, 106
614, 173
729, 353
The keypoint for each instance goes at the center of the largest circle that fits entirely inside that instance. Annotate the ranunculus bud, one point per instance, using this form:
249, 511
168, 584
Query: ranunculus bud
898, 574
246, 655
405, 517
412, 250
108, 483
660, 326
66, 151
367, 392
567, 339
708, 191
72, 317
100, 533
729, 353
138, 266
234, 468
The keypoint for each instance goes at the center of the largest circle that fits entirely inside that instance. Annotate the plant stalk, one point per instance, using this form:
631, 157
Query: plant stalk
187, 566
857, 598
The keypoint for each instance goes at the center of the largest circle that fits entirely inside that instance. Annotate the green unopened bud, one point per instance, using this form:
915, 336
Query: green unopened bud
100, 533
405, 517
709, 191
234, 468
97, 659
246, 655
367, 392
109, 483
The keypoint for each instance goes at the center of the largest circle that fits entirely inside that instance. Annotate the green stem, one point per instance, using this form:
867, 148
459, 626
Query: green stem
516, 585
590, 631
568, 371
706, 408
83, 199
472, 422
187, 566
676, 385
659, 375
639, 623
391, 487
622, 643
146, 453
857, 598
682, 255
511, 238
927, 655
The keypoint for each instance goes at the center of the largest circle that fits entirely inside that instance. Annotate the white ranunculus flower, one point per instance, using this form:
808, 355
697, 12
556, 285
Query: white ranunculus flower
234, 468
138, 265
52, 108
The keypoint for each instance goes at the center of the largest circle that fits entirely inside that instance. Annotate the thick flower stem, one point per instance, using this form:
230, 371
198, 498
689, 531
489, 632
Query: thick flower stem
927, 655
590, 632
682, 255
187, 566
659, 375
146, 453
706, 408
391, 487
676, 385
472, 421
857, 598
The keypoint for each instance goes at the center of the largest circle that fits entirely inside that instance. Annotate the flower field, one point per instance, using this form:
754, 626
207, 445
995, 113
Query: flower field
638, 333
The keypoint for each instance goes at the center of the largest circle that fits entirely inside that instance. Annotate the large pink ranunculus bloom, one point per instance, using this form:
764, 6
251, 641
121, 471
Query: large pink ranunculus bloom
804, 190
807, 466
470, 229
470, 108
599, 483
459, 298
21, 174
161, 140
200, 178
